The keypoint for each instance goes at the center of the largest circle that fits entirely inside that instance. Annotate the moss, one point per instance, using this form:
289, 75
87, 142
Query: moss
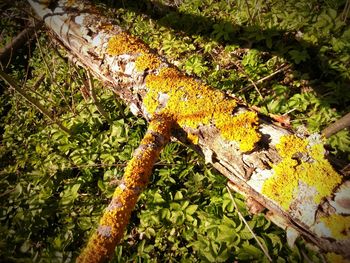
313, 169
192, 104
339, 225
125, 43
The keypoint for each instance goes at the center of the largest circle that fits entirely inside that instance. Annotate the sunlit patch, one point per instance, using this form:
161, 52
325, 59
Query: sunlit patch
125, 43
311, 168
191, 103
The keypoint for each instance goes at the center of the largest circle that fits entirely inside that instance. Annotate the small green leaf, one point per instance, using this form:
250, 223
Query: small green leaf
191, 209
70, 194
178, 196
245, 233
25, 246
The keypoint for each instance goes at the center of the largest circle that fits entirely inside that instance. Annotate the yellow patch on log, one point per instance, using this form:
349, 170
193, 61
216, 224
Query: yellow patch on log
125, 43
191, 103
313, 170
102, 243
338, 225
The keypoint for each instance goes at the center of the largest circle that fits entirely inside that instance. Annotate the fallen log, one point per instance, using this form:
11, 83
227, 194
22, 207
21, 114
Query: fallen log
285, 172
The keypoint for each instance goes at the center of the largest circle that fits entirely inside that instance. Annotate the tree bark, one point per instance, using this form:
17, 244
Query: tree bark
342, 123
285, 172
110, 231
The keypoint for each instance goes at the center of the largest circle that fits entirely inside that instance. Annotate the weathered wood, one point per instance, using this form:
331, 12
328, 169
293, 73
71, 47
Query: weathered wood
342, 123
285, 172
117, 215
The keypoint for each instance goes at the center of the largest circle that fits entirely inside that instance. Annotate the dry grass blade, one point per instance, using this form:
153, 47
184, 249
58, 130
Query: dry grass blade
245, 222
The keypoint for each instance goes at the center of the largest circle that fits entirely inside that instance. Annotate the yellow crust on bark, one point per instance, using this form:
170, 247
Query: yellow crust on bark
312, 169
125, 43
111, 227
192, 103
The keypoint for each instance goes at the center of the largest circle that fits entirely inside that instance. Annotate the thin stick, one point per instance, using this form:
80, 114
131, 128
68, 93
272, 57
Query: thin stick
18, 41
346, 10
10, 81
338, 125
50, 73
95, 100
245, 222
250, 80
265, 78
248, 9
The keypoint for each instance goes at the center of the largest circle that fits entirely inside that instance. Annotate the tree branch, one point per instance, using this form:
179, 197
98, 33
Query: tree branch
286, 172
7, 52
343, 122
10, 81
110, 231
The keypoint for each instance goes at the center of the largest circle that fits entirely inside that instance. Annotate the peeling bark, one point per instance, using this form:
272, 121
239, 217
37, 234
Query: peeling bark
285, 172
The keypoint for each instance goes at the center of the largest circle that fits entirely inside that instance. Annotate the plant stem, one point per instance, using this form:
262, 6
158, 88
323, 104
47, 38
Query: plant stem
95, 100
265, 78
18, 41
10, 81
49, 71
245, 222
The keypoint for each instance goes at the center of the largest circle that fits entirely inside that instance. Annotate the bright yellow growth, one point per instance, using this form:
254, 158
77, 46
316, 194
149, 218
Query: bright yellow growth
335, 258
290, 145
241, 128
147, 61
193, 138
124, 43
313, 169
111, 227
338, 224
192, 103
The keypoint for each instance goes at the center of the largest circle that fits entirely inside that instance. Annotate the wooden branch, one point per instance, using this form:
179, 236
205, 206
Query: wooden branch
114, 220
10, 81
285, 172
9, 50
342, 123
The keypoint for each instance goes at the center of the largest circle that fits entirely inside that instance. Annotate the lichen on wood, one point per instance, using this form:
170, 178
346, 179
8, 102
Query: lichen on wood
287, 174
192, 103
302, 160
125, 43
110, 230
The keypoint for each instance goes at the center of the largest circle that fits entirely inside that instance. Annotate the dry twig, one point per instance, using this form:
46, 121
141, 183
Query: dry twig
10, 81
245, 222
